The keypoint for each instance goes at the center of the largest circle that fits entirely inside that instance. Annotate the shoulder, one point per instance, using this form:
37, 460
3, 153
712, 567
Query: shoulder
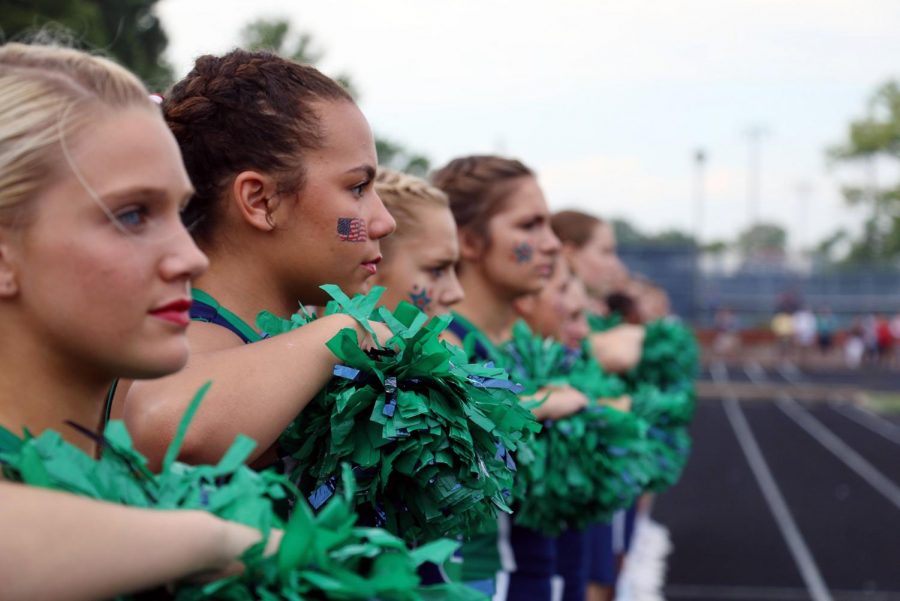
205, 337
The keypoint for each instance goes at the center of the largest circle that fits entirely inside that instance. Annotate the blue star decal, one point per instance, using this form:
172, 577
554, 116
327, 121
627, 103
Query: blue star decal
420, 299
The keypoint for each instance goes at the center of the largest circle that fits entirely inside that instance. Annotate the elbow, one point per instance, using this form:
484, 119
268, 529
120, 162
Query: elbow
153, 428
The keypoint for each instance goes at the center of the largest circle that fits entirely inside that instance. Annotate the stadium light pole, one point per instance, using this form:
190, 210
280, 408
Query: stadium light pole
699, 193
699, 198
754, 172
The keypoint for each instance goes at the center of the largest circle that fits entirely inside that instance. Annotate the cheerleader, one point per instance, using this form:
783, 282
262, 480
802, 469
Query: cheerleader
421, 256
507, 250
95, 267
283, 165
589, 244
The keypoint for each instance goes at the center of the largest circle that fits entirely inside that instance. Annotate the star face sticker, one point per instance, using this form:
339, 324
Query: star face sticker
523, 252
420, 298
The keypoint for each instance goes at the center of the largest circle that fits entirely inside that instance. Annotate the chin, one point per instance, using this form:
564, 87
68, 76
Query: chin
158, 364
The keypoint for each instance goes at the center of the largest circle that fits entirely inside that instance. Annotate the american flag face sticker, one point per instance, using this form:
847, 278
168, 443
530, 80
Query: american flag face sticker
352, 229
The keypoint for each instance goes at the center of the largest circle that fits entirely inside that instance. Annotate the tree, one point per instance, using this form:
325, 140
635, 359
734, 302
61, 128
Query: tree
126, 30
277, 35
627, 234
875, 136
762, 238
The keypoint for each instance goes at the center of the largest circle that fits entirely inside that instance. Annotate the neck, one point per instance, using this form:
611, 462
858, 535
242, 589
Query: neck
486, 306
243, 286
40, 390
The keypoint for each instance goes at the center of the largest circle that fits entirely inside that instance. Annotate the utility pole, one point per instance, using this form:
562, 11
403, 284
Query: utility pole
754, 173
699, 193
804, 192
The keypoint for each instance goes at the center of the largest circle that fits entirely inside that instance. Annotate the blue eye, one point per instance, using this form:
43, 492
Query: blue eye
132, 218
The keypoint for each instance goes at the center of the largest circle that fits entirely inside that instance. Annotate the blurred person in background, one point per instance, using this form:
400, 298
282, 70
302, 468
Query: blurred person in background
783, 329
826, 326
804, 331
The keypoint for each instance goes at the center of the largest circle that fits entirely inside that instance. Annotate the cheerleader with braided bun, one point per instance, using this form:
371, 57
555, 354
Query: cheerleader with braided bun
283, 165
95, 267
420, 258
507, 251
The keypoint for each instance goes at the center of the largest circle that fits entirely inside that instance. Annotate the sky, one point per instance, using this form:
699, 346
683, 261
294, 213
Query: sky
610, 100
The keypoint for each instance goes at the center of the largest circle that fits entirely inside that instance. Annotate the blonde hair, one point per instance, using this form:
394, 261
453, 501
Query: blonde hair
47, 97
404, 196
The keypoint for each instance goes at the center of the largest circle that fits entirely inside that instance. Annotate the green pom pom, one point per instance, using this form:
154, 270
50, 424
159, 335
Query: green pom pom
582, 468
429, 435
670, 357
321, 556
601, 323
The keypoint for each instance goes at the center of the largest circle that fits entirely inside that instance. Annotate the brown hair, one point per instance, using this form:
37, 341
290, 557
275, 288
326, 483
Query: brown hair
478, 187
49, 96
574, 227
245, 110
403, 196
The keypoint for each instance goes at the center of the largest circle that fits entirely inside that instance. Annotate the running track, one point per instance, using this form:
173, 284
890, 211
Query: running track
785, 500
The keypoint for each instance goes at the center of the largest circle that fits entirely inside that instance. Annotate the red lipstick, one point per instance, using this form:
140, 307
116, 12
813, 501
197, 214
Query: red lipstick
175, 312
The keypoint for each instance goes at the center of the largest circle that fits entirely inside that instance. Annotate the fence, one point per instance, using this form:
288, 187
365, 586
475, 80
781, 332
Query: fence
754, 297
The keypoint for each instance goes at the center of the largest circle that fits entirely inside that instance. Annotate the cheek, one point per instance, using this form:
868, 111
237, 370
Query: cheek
420, 295
523, 252
352, 230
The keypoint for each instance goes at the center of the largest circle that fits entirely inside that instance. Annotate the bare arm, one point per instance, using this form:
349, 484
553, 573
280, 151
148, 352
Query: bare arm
618, 349
257, 390
561, 402
61, 547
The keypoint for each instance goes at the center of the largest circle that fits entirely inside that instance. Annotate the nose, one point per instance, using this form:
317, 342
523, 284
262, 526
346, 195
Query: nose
381, 222
454, 291
550, 244
184, 259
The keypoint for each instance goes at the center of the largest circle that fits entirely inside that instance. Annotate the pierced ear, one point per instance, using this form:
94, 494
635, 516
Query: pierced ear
471, 245
254, 196
9, 282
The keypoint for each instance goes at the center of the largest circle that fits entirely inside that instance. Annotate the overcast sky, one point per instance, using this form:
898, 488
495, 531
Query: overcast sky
607, 99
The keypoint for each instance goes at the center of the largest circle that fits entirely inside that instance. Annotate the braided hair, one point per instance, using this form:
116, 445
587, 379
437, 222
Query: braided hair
478, 187
405, 196
241, 111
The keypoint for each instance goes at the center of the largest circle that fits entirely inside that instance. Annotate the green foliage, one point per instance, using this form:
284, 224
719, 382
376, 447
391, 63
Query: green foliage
873, 137
762, 237
126, 30
629, 235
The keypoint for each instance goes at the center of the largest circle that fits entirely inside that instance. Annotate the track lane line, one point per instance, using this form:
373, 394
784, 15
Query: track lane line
719, 372
789, 372
809, 571
840, 449
870, 420
755, 372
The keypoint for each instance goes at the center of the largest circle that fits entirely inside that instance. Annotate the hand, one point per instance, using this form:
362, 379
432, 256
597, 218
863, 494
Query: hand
235, 540
619, 349
383, 332
561, 402
622, 403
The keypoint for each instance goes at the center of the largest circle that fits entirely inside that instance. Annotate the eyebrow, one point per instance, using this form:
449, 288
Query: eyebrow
368, 170
145, 192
